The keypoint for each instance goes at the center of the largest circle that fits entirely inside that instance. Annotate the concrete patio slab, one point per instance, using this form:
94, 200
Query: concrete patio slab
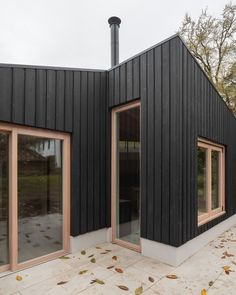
111, 269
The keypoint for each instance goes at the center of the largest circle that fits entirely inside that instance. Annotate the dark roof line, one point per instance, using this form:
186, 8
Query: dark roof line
41, 67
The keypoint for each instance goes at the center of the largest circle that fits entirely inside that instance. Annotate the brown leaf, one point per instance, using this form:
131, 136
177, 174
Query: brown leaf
109, 267
119, 270
114, 257
211, 283
83, 252
93, 260
227, 269
173, 277
122, 287
151, 279
83, 272
108, 250
227, 254
19, 278
62, 282
139, 291
90, 255
203, 292
104, 253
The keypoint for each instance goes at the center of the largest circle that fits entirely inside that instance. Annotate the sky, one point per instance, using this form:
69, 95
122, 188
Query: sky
75, 33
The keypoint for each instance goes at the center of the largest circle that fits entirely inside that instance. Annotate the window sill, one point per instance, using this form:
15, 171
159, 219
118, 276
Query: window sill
210, 218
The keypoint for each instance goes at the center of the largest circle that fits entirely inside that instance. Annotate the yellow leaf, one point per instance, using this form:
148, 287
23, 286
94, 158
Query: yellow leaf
124, 288
99, 282
226, 268
139, 291
83, 272
203, 292
19, 278
64, 257
173, 277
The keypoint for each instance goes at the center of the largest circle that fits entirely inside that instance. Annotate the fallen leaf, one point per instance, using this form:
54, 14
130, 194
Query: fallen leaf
119, 270
109, 267
99, 282
62, 282
98, 247
173, 277
93, 260
19, 278
83, 272
64, 257
104, 252
123, 287
151, 279
203, 292
227, 254
227, 269
108, 250
90, 255
114, 257
211, 283
83, 252
139, 291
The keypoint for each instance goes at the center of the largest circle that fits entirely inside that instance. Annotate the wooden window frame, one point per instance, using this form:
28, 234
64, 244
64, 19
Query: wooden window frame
114, 113
14, 131
212, 214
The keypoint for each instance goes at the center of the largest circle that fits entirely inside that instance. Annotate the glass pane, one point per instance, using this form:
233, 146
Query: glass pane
215, 157
202, 180
4, 234
128, 175
39, 196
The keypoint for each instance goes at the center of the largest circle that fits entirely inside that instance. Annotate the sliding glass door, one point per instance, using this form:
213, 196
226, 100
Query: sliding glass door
126, 175
34, 196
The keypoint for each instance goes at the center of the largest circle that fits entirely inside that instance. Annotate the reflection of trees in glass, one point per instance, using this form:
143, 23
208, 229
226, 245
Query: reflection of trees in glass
201, 179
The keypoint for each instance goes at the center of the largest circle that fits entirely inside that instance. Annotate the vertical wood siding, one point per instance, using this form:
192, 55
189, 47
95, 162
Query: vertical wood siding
178, 104
71, 101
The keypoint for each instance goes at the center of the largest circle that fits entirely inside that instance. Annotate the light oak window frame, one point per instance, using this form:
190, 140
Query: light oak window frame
114, 113
212, 214
13, 131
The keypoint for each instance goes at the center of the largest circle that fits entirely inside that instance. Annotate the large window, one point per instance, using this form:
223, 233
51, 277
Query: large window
34, 196
210, 181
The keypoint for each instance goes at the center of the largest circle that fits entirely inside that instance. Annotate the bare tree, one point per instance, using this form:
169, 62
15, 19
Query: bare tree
212, 41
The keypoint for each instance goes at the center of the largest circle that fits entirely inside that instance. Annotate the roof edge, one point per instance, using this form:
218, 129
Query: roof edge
41, 67
145, 51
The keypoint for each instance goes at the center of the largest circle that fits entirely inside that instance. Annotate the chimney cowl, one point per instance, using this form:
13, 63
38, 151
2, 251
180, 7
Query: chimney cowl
114, 20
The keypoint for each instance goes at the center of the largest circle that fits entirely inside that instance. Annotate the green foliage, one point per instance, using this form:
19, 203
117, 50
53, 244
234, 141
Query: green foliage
212, 42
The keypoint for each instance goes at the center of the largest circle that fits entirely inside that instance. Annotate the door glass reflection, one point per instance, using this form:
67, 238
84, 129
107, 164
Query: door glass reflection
4, 205
128, 176
39, 196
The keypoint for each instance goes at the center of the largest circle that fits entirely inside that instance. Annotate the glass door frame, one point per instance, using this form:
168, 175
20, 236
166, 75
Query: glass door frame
13, 131
114, 113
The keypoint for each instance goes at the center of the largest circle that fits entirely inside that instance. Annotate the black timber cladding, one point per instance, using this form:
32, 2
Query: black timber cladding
178, 105
72, 101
